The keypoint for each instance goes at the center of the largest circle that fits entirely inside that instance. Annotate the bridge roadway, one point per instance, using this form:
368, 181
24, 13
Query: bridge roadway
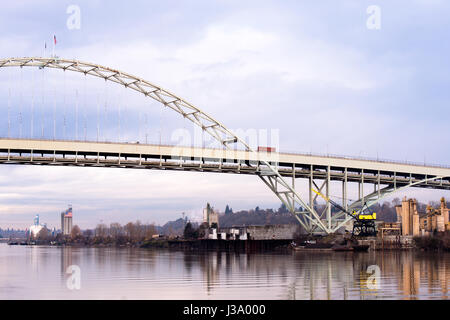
140, 156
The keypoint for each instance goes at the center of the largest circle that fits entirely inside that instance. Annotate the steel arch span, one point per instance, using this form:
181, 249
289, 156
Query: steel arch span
268, 172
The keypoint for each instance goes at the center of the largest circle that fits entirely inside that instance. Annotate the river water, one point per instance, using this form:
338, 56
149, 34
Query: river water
33, 272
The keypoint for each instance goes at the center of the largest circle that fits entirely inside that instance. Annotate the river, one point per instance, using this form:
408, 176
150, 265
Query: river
35, 272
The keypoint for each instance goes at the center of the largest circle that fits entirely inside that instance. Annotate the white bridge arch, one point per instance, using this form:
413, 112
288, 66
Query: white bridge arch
269, 173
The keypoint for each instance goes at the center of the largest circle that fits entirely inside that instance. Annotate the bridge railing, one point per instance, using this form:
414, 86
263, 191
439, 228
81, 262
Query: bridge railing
372, 159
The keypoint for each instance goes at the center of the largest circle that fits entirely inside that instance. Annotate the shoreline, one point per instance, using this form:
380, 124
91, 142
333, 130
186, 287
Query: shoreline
237, 246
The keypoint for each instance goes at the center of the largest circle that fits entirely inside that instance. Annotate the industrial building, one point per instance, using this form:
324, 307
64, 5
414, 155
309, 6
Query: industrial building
264, 232
435, 219
211, 217
412, 223
66, 221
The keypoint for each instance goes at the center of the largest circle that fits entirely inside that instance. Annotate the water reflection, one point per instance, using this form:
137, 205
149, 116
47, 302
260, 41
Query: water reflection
329, 275
125, 273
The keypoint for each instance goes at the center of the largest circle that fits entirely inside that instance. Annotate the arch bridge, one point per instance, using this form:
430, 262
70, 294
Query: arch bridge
279, 171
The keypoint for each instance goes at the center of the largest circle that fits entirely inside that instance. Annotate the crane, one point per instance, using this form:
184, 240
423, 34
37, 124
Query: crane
364, 224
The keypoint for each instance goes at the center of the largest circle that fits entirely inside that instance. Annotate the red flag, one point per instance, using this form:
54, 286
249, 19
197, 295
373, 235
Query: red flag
54, 38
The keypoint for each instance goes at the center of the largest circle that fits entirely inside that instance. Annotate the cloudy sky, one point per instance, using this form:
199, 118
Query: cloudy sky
311, 71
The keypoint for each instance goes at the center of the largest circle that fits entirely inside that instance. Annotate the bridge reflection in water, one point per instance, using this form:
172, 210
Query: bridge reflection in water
125, 273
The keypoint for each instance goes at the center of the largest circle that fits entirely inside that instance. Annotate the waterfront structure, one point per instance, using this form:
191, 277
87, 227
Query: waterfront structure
66, 221
278, 171
408, 216
210, 217
266, 232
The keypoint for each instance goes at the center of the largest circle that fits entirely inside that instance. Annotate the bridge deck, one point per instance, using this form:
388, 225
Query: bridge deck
140, 156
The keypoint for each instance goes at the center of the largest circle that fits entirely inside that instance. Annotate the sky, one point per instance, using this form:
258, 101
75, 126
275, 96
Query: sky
316, 73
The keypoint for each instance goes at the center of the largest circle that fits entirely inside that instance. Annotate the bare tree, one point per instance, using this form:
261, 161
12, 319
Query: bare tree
150, 231
75, 232
129, 229
42, 234
88, 233
101, 230
139, 231
115, 230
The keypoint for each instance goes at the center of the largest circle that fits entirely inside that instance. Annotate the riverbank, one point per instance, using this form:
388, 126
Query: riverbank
439, 241
436, 242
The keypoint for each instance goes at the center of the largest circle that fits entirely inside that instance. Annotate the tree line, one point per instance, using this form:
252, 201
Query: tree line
114, 234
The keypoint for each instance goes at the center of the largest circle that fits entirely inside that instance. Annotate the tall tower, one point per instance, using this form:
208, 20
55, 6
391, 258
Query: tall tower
210, 216
66, 221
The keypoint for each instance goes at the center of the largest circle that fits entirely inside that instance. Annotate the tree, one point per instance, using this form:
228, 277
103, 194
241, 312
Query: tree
228, 210
101, 230
190, 232
115, 229
129, 230
88, 233
139, 231
282, 209
75, 232
150, 231
42, 234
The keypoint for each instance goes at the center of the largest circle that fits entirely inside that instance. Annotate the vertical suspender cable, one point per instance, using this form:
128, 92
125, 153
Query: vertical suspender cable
124, 117
84, 107
76, 114
160, 125
105, 118
98, 117
146, 127
54, 113
20, 103
119, 106
43, 103
9, 105
139, 125
187, 132
32, 103
65, 107
9, 113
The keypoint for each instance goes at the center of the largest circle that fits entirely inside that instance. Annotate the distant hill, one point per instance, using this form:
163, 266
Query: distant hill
385, 212
252, 217
174, 228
